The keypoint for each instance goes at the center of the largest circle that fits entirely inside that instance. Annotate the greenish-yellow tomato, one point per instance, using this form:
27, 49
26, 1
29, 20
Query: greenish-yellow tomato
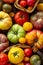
35, 60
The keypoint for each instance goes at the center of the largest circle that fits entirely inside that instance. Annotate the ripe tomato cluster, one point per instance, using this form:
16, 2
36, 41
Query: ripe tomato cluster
4, 58
28, 53
29, 3
22, 29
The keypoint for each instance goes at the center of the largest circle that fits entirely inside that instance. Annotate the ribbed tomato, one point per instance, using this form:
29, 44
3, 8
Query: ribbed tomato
21, 17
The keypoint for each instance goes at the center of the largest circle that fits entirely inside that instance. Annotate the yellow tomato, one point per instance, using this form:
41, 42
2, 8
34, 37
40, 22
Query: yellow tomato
5, 21
40, 7
16, 55
22, 40
27, 26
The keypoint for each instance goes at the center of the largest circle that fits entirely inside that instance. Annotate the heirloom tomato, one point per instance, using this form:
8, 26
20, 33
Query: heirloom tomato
21, 17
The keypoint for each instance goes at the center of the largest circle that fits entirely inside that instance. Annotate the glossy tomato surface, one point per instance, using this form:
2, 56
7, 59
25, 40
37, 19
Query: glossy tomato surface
21, 17
28, 52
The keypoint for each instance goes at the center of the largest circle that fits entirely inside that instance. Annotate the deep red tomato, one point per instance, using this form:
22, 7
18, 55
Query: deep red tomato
9, 1
28, 52
3, 59
21, 17
27, 64
31, 3
23, 3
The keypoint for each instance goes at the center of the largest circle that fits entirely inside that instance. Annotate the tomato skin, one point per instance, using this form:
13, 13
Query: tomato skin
3, 59
30, 3
28, 52
26, 59
23, 3
27, 64
16, 56
35, 60
9, 1
21, 17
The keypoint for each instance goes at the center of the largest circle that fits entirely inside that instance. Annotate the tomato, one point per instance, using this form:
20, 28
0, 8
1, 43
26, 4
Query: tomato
9, 1
30, 3
23, 3
16, 55
27, 64
26, 59
21, 17
28, 52
35, 60
3, 59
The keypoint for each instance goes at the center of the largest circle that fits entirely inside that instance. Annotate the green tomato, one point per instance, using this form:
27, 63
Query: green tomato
15, 33
7, 8
35, 60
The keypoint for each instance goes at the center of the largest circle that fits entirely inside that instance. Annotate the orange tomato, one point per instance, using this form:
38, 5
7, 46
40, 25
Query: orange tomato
22, 40
31, 36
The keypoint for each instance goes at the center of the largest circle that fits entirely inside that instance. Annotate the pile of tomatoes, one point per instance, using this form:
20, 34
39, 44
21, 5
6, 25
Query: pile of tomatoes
18, 56
27, 3
22, 28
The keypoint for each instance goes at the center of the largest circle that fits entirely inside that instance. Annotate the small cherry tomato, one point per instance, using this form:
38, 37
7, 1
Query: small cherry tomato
29, 8
28, 52
3, 59
26, 59
27, 64
23, 3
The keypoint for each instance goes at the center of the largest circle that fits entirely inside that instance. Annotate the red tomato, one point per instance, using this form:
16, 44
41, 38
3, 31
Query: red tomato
9, 1
30, 3
23, 3
3, 59
27, 64
21, 17
28, 52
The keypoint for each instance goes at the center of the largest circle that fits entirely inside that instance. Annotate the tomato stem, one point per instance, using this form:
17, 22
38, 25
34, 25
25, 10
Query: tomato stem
16, 53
